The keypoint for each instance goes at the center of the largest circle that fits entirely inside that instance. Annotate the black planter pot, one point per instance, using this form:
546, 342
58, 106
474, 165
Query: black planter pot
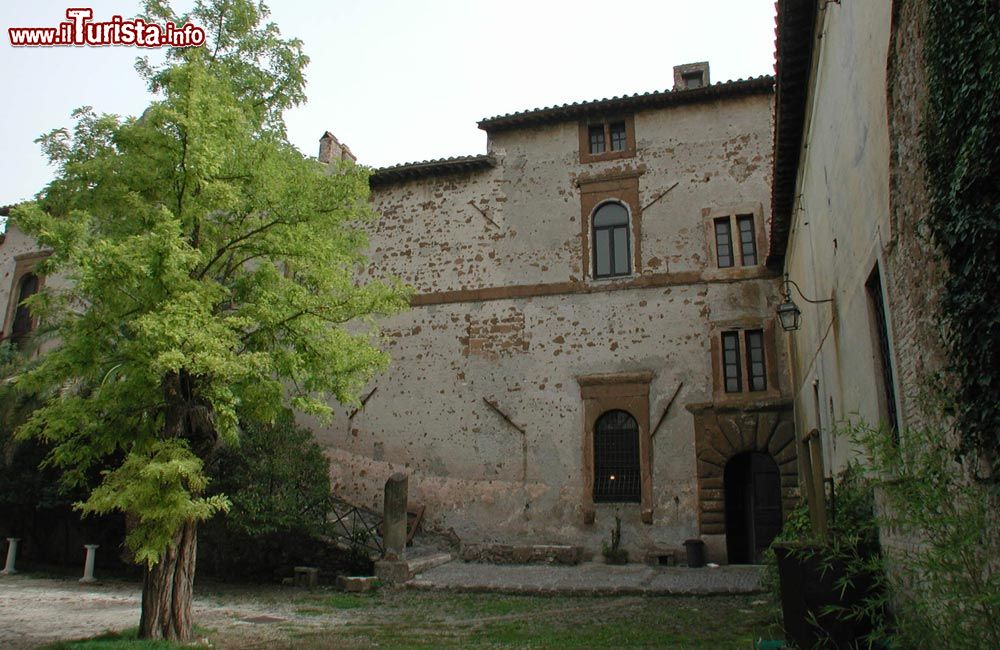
807, 590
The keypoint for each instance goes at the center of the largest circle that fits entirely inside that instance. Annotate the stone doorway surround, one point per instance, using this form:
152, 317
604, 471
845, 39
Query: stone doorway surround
725, 430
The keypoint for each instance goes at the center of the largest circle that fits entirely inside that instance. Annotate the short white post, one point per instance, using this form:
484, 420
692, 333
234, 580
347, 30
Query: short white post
8, 569
88, 567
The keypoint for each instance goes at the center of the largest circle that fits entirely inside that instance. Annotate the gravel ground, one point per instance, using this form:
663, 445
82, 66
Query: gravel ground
39, 610
36, 611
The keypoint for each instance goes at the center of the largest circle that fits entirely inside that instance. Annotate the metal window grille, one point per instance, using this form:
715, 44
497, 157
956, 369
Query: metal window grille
723, 242
748, 247
616, 458
874, 286
731, 362
756, 373
596, 138
617, 136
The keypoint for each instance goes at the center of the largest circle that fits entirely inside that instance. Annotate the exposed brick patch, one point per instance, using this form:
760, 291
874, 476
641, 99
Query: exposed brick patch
495, 336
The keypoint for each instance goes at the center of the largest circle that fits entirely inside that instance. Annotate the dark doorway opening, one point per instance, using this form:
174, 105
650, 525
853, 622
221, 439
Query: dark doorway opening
753, 506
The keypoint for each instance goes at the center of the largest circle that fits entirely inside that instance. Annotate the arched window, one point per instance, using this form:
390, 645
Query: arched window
616, 458
23, 324
612, 248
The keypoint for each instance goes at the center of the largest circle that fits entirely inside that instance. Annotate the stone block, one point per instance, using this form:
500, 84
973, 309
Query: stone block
357, 584
306, 577
661, 557
392, 572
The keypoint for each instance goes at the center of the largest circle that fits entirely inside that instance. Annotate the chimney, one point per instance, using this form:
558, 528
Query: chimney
691, 75
331, 149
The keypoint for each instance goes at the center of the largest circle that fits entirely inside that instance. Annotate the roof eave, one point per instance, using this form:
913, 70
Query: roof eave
666, 99
795, 24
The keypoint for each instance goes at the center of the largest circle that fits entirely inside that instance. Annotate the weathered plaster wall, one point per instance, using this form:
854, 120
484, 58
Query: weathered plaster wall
19, 254
840, 225
549, 323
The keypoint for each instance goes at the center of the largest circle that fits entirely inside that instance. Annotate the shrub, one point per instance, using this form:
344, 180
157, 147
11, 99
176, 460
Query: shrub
850, 555
278, 481
945, 534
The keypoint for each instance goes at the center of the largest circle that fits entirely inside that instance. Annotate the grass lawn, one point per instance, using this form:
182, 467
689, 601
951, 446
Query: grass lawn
417, 619
426, 619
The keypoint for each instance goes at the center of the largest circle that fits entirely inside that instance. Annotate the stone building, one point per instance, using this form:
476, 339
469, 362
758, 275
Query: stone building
847, 202
592, 333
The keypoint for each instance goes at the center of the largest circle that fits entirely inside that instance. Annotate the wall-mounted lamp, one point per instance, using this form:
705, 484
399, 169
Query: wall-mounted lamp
788, 312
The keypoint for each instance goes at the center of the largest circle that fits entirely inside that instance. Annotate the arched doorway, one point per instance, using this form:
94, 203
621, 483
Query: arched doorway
753, 506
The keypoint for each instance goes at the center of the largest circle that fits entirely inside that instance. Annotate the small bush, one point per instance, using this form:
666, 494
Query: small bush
945, 530
278, 481
850, 553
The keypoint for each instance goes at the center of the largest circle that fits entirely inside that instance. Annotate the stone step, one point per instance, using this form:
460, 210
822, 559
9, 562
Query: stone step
522, 554
426, 562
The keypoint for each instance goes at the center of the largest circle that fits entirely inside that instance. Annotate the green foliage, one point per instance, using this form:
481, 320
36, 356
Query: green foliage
962, 148
613, 552
23, 487
211, 274
850, 553
277, 478
278, 481
159, 485
944, 570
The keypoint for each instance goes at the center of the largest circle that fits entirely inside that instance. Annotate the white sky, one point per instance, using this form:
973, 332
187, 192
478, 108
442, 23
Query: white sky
398, 80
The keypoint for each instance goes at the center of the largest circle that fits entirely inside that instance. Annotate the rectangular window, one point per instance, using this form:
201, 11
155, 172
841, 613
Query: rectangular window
723, 243
874, 286
756, 374
596, 138
606, 137
618, 139
748, 247
731, 361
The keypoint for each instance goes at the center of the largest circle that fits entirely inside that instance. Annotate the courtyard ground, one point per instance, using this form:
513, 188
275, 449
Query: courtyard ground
39, 611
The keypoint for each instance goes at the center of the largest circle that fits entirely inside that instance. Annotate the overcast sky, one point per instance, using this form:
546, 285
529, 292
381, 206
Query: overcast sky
399, 80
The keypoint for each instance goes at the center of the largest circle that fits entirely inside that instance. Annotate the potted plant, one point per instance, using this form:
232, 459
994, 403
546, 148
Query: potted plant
832, 588
613, 554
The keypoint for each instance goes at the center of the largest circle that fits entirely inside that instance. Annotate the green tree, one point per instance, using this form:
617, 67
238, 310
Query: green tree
212, 274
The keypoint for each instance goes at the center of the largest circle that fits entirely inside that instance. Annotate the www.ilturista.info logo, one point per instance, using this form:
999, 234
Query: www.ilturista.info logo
80, 31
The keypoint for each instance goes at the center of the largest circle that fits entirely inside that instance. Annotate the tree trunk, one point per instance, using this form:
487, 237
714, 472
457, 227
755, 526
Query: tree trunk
168, 589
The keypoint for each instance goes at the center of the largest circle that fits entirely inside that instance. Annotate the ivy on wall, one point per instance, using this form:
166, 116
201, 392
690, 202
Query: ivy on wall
963, 176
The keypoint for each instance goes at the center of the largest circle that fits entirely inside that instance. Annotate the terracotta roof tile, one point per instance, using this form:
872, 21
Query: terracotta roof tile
408, 171
649, 100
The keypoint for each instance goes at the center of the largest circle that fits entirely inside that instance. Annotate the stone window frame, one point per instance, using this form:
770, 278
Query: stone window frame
771, 376
23, 265
621, 187
628, 242
732, 213
625, 391
606, 121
